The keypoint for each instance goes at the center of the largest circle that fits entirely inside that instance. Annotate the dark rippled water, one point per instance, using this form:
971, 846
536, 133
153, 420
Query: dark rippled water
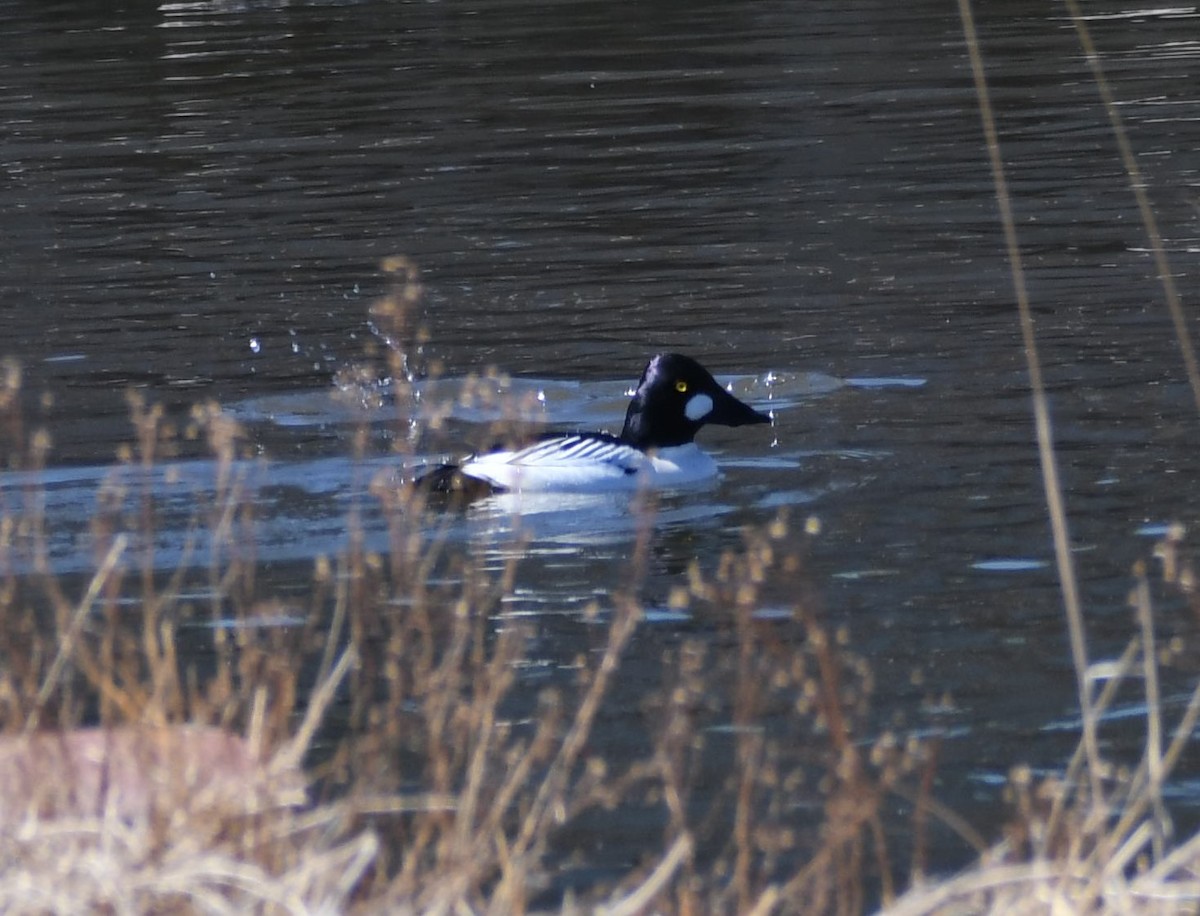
194, 200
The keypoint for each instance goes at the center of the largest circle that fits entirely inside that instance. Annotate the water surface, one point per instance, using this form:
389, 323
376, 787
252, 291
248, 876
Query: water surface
195, 200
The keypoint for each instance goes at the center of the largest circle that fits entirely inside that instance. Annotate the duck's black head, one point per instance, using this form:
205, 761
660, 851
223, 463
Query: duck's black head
676, 397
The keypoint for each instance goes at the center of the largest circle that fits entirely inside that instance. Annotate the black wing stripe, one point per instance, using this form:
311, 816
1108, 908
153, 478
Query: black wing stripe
576, 448
581, 447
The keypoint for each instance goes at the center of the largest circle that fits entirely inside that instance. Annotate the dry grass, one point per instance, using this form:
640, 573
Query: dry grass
1070, 850
1097, 838
142, 774
148, 773
126, 786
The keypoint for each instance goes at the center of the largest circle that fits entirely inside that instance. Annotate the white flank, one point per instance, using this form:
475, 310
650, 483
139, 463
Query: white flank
586, 464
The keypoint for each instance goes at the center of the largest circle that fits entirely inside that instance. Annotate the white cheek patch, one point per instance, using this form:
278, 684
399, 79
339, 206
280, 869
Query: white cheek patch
698, 407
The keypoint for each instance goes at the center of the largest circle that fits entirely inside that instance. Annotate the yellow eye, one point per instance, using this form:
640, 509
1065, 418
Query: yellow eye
681, 386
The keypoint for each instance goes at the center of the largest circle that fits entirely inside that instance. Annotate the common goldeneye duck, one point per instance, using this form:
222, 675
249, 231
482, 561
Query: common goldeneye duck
674, 399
